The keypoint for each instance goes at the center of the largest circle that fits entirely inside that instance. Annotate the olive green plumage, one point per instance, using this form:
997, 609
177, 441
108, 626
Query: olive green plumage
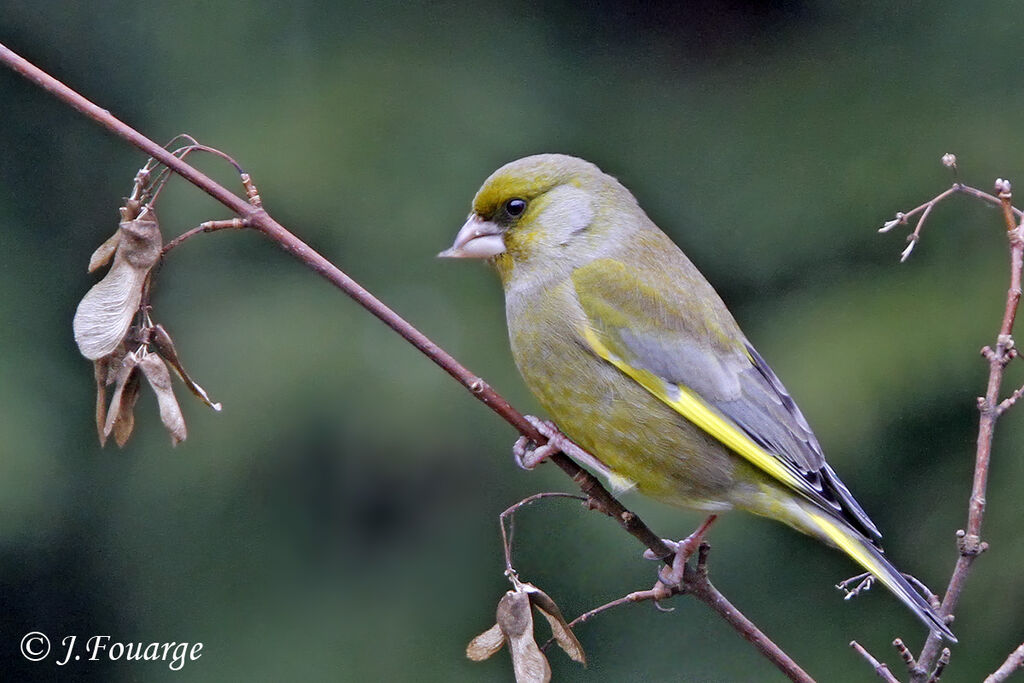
636, 358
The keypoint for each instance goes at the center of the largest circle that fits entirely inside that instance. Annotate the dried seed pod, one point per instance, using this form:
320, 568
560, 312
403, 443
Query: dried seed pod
515, 618
121, 414
165, 347
105, 313
105, 251
125, 423
564, 636
99, 368
105, 371
485, 644
155, 370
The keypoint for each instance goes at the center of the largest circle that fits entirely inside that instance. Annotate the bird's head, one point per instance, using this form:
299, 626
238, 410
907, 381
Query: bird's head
540, 208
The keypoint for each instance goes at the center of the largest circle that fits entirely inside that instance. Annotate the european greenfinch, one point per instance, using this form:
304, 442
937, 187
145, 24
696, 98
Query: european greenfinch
635, 356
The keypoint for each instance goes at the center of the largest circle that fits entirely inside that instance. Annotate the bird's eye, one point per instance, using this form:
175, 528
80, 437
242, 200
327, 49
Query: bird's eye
515, 207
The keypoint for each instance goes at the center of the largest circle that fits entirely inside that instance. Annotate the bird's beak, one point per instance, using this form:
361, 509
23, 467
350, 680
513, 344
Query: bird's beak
478, 238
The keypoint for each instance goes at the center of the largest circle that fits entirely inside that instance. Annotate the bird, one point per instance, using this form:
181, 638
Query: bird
632, 352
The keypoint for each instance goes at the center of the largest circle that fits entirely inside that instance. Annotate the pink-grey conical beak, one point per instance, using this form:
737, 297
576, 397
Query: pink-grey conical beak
478, 238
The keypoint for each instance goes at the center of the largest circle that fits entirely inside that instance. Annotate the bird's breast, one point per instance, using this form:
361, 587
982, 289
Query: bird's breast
607, 413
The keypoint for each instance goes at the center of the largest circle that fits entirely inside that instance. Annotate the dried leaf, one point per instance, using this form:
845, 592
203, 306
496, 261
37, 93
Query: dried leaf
99, 368
155, 370
515, 619
131, 208
485, 644
120, 416
165, 347
105, 371
105, 251
106, 311
564, 636
125, 423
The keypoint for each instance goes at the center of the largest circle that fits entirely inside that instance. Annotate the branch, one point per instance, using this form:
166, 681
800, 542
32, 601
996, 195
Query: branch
931, 661
208, 226
696, 583
506, 520
254, 216
702, 589
969, 541
880, 668
1013, 662
260, 220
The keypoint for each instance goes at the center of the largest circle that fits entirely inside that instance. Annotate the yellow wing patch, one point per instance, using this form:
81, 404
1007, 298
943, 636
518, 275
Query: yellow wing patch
690, 406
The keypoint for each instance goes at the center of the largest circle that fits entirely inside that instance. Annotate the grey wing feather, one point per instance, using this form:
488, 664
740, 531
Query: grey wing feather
770, 416
746, 390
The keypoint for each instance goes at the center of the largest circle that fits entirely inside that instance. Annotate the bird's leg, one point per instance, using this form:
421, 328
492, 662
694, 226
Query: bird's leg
528, 455
671, 578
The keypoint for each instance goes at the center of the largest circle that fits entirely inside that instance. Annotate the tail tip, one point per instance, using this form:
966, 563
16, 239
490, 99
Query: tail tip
946, 634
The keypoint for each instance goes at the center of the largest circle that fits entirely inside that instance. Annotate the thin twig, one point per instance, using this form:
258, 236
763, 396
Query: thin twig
969, 540
705, 591
916, 235
208, 226
652, 594
695, 582
506, 520
259, 219
905, 654
926, 209
940, 666
986, 197
1013, 662
931, 661
924, 590
1008, 402
880, 668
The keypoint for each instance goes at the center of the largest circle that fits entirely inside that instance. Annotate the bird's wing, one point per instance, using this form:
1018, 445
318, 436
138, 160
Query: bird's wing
690, 354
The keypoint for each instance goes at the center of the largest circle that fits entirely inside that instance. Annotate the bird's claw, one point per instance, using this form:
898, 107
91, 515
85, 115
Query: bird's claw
672, 545
670, 578
528, 454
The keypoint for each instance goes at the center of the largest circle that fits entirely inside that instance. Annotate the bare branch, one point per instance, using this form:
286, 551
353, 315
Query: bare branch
635, 596
924, 590
507, 521
905, 654
916, 235
940, 666
969, 541
683, 579
880, 669
208, 226
702, 589
1008, 402
695, 582
1013, 662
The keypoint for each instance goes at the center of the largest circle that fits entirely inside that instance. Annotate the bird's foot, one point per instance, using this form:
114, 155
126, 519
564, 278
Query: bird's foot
670, 578
528, 454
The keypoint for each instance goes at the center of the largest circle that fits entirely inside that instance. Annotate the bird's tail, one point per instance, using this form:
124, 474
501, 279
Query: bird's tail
836, 532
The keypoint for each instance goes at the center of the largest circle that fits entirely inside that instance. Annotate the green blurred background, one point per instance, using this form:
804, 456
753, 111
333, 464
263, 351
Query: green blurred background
338, 520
